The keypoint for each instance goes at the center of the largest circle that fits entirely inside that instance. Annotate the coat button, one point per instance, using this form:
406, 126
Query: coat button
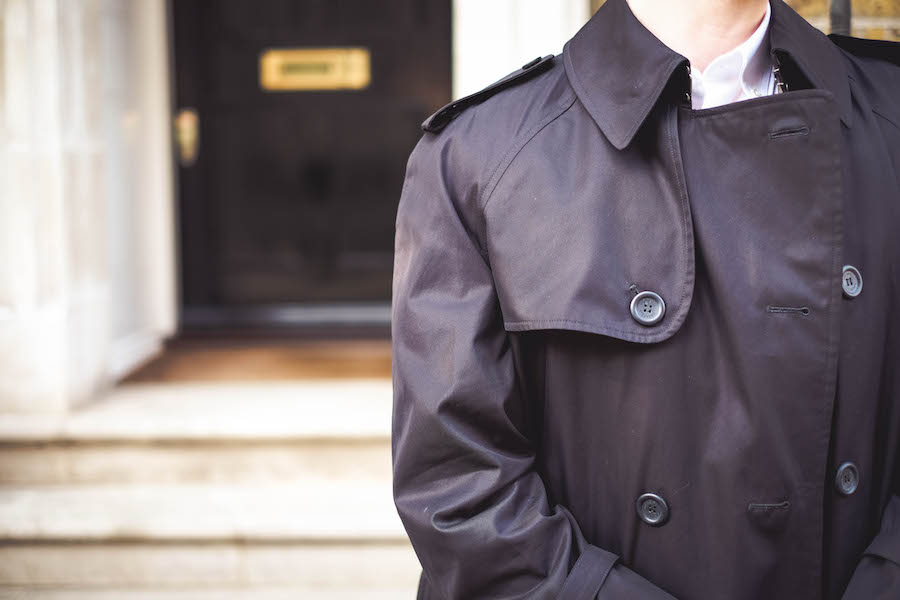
652, 510
851, 281
648, 308
847, 479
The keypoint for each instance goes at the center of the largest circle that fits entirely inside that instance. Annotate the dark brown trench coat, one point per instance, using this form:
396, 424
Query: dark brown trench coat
532, 409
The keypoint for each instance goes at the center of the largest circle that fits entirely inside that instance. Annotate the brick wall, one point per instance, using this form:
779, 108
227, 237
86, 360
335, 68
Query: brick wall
878, 19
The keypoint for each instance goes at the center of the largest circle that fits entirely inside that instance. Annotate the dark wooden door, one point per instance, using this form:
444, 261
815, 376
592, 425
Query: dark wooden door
287, 204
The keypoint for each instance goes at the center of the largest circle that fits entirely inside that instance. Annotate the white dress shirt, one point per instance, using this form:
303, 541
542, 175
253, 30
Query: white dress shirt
742, 73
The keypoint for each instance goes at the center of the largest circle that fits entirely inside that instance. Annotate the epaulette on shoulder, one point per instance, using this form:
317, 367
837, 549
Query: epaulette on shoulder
441, 118
883, 49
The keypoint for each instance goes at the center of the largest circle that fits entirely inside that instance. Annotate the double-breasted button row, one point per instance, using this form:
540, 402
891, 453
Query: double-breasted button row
851, 281
847, 479
652, 509
648, 308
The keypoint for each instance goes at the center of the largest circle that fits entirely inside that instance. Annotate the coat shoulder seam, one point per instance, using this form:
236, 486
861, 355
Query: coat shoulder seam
516, 147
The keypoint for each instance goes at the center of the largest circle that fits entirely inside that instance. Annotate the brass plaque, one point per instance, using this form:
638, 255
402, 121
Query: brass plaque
187, 136
310, 69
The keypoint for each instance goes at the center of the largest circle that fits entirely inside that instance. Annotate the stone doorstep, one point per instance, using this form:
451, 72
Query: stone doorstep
407, 593
202, 568
229, 490
313, 511
266, 410
214, 462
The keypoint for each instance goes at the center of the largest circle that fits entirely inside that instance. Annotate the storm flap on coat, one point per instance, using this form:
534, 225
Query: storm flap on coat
532, 409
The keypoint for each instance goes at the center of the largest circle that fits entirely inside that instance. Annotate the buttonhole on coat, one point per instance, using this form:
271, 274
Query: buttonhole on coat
791, 131
764, 507
769, 517
790, 310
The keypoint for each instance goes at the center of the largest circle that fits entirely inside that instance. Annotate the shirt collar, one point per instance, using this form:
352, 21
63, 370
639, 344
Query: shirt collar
619, 69
739, 72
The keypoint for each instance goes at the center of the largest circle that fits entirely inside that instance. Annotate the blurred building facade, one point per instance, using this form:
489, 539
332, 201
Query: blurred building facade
86, 282
117, 234
89, 282
261, 470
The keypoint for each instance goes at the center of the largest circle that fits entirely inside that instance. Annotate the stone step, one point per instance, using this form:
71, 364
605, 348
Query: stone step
189, 569
251, 411
215, 463
321, 534
195, 491
314, 511
404, 593
232, 433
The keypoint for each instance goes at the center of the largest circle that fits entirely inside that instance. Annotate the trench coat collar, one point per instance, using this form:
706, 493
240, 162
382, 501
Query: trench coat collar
816, 55
619, 69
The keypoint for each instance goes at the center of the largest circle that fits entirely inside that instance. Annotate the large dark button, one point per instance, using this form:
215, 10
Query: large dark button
847, 479
648, 308
652, 510
851, 281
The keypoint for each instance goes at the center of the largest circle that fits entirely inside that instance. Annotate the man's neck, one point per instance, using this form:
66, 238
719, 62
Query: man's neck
700, 30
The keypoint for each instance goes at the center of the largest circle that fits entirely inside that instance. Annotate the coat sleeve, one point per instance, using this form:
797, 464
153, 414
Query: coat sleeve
464, 477
877, 576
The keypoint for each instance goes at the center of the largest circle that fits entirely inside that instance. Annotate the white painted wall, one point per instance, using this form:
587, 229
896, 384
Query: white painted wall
86, 228
492, 38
